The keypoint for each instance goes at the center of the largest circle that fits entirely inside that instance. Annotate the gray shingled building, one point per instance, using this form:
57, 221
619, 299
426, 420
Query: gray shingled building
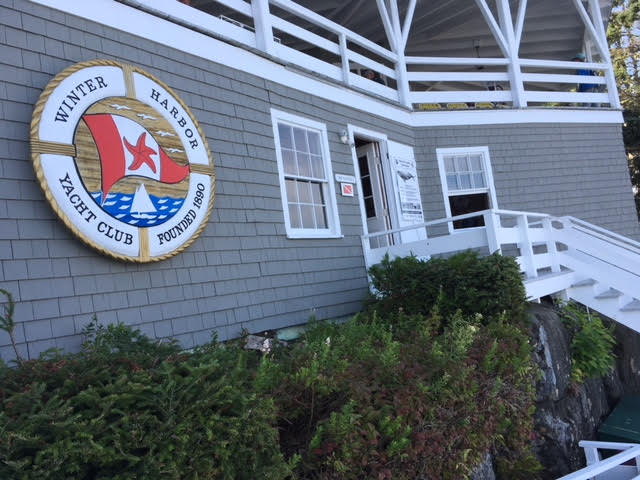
283, 241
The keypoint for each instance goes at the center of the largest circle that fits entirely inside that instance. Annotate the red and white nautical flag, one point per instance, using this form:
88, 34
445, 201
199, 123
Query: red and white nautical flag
127, 148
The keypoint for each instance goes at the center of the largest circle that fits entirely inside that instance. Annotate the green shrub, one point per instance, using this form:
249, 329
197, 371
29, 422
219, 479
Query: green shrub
592, 343
392, 396
421, 385
467, 282
127, 407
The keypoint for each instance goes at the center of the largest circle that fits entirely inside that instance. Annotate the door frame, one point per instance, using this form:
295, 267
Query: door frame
381, 138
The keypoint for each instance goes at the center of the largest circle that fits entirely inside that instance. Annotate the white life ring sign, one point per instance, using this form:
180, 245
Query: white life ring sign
122, 161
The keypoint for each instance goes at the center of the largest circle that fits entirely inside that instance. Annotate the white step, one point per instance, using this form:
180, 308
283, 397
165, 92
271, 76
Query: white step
610, 294
589, 282
633, 306
548, 284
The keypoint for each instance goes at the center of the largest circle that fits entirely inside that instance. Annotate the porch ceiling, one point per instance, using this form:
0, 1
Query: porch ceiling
453, 28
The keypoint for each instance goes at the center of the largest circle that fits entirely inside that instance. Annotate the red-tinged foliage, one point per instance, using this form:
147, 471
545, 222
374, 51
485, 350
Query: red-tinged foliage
429, 406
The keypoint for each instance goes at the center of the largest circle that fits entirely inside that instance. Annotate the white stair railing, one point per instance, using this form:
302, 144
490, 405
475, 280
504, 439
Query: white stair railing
557, 255
502, 228
612, 468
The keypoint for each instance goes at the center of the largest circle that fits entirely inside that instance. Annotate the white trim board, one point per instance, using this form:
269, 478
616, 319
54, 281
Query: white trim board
373, 136
128, 19
512, 116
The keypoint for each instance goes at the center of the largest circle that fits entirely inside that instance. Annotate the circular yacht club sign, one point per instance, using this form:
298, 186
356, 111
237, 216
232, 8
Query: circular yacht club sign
122, 161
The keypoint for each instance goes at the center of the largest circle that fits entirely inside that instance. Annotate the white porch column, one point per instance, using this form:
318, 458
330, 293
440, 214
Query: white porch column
398, 40
401, 64
344, 56
263, 27
513, 45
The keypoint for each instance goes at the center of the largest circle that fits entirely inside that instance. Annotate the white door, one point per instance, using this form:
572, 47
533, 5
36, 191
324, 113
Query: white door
374, 194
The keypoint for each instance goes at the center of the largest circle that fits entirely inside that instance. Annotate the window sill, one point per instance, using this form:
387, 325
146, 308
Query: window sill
303, 236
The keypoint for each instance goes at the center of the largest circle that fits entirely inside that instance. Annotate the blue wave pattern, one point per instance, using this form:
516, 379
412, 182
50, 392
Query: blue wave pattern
118, 205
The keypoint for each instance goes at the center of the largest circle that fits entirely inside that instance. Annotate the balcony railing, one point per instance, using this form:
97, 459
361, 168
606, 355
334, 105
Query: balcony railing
294, 35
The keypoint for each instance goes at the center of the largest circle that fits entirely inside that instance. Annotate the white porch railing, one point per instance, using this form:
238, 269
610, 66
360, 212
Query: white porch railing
545, 82
557, 255
292, 34
616, 467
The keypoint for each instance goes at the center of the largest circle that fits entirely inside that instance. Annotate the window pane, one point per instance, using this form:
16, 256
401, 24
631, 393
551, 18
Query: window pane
461, 164
452, 182
289, 162
294, 216
465, 181
292, 194
300, 139
284, 131
366, 187
449, 166
370, 207
317, 167
316, 191
478, 180
461, 204
308, 221
304, 192
321, 218
476, 162
314, 143
304, 165
364, 166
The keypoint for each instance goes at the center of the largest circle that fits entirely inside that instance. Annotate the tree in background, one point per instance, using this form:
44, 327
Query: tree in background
624, 41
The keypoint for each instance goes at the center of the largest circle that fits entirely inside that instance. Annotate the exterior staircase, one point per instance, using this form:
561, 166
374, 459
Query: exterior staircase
602, 269
560, 256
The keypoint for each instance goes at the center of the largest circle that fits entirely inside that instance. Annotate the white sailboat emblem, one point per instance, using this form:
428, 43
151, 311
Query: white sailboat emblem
142, 206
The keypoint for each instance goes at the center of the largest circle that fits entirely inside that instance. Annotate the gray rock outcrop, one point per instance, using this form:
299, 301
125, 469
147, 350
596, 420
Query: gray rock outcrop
567, 413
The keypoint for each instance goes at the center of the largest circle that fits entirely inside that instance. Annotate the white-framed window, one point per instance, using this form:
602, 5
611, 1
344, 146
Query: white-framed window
467, 183
304, 167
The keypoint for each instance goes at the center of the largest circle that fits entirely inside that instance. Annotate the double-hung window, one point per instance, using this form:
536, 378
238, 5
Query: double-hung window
304, 167
467, 183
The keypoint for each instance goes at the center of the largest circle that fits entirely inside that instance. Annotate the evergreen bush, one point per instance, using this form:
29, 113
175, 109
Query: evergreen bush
127, 407
490, 285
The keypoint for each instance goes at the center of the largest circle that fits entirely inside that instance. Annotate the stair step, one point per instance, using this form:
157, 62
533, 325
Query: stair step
548, 284
546, 276
611, 293
633, 306
585, 283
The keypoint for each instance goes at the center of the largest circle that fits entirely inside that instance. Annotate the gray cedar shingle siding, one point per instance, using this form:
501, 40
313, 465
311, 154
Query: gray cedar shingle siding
561, 169
242, 272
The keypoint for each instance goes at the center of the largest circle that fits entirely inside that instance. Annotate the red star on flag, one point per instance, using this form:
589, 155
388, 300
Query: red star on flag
141, 153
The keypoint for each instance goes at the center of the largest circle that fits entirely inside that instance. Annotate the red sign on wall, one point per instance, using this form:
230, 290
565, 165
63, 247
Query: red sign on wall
347, 189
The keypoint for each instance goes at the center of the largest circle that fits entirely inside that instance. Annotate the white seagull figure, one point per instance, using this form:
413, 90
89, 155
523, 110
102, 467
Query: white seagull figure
120, 107
162, 133
174, 150
144, 116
